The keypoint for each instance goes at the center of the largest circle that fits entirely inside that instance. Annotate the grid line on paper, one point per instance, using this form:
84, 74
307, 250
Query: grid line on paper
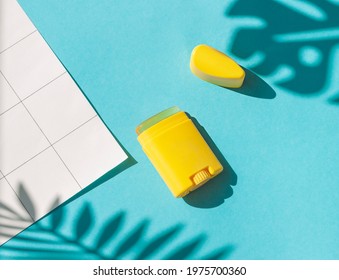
22, 164
52, 146
14, 104
75, 129
31, 93
23, 38
4, 175
9, 108
43, 86
43, 132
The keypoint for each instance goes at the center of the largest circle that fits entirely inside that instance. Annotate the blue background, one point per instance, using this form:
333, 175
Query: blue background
278, 136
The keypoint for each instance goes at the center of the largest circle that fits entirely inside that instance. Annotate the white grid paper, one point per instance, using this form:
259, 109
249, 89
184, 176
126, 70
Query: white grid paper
52, 142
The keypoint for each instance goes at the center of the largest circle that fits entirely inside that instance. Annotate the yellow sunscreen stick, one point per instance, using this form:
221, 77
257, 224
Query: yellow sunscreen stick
215, 67
178, 151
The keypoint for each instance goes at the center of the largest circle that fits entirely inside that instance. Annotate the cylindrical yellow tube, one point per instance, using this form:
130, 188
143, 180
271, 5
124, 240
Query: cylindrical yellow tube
178, 151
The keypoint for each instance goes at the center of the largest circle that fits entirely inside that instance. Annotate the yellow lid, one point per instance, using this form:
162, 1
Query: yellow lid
215, 67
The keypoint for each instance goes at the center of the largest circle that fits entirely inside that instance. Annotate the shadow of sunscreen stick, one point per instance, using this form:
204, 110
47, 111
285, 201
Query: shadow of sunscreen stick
178, 151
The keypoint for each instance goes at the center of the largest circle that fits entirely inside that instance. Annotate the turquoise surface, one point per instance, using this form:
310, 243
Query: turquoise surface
278, 136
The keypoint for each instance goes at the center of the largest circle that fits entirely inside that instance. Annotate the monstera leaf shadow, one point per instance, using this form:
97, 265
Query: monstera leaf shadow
292, 44
47, 239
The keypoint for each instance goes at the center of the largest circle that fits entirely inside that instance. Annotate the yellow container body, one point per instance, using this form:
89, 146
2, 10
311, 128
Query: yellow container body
179, 153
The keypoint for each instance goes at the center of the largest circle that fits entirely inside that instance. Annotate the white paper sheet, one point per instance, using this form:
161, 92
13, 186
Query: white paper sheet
52, 142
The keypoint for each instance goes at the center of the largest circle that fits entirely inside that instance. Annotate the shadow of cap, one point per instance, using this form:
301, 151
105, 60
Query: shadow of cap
254, 86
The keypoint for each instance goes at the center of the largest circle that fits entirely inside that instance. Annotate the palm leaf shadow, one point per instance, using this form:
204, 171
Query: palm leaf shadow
132, 239
222, 253
157, 242
187, 249
27, 201
58, 216
8, 212
46, 240
12, 220
84, 223
110, 229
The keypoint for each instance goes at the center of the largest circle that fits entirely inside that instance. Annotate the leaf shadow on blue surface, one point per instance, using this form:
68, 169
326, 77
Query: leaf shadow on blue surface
254, 86
47, 239
291, 42
216, 191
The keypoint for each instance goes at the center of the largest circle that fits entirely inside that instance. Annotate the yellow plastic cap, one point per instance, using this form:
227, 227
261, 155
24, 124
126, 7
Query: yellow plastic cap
215, 67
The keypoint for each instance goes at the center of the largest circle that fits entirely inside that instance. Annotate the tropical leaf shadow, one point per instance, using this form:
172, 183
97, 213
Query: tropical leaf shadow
110, 229
187, 249
8, 212
27, 201
47, 239
299, 56
155, 244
